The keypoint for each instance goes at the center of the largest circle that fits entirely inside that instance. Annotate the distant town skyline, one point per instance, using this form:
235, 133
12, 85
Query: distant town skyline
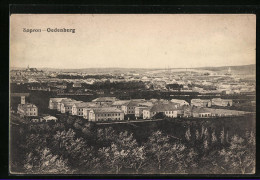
133, 41
128, 67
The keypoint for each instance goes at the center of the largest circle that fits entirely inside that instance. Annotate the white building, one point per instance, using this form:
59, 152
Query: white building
139, 111
63, 101
107, 113
27, 109
169, 110
221, 102
118, 104
129, 108
53, 102
101, 100
77, 108
180, 102
67, 106
201, 102
90, 106
48, 119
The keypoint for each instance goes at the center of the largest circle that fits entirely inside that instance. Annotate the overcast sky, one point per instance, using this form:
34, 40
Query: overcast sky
134, 41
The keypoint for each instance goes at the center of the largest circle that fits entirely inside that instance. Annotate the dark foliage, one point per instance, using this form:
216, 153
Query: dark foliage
182, 146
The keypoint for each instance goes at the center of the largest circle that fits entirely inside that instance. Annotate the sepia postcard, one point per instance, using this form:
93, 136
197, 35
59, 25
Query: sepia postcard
132, 94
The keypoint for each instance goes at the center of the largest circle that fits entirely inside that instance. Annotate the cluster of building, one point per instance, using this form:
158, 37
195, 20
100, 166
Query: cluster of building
96, 110
189, 80
211, 102
111, 108
26, 109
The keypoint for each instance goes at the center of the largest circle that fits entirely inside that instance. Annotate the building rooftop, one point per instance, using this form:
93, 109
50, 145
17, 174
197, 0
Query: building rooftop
178, 101
161, 107
66, 100
107, 109
105, 99
200, 100
57, 99
200, 110
27, 105
71, 103
120, 102
146, 104
49, 117
219, 99
84, 104
132, 103
138, 100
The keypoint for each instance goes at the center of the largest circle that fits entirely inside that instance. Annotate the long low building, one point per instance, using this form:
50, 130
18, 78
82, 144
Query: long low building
106, 113
101, 100
201, 102
192, 111
168, 109
221, 102
225, 112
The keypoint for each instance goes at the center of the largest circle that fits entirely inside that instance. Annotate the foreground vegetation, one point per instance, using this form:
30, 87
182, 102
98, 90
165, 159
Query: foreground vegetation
78, 147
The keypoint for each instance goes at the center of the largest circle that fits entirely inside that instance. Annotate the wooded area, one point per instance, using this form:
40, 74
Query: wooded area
73, 146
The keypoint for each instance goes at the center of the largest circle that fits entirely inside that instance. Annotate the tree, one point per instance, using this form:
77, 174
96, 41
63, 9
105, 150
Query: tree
70, 120
222, 136
78, 124
181, 159
89, 130
76, 150
58, 127
44, 162
158, 148
166, 157
62, 138
239, 157
214, 137
197, 134
124, 155
34, 141
205, 144
106, 134
188, 134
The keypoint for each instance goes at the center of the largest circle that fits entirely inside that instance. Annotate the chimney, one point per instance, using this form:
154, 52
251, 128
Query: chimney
22, 99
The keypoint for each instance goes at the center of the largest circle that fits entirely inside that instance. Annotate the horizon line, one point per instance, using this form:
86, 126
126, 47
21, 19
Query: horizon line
132, 67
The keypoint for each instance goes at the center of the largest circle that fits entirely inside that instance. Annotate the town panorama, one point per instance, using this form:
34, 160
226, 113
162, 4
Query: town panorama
132, 94
117, 120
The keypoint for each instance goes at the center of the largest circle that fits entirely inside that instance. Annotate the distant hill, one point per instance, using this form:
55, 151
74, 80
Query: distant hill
99, 70
244, 69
